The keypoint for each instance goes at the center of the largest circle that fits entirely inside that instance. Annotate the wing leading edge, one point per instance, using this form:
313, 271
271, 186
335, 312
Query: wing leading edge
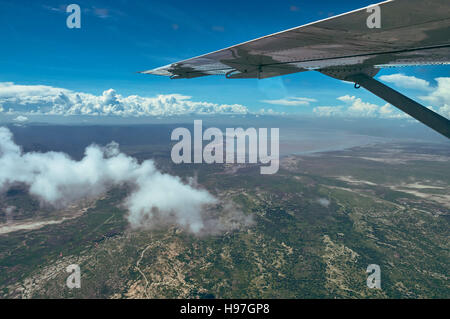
412, 32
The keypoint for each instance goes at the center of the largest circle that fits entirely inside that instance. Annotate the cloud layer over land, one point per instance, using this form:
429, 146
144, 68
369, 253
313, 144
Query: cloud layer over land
56, 179
29, 100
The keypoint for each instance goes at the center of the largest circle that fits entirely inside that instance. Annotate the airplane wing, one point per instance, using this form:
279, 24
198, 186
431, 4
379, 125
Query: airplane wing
352, 47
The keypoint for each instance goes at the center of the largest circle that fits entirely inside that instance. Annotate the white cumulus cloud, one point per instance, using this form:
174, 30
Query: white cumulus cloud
56, 179
407, 82
356, 107
437, 99
362, 109
41, 99
440, 96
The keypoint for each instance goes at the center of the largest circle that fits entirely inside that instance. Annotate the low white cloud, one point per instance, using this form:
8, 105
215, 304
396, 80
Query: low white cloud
445, 111
346, 98
41, 99
407, 82
291, 101
21, 119
359, 108
324, 202
56, 179
437, 100
440, 96
356, 107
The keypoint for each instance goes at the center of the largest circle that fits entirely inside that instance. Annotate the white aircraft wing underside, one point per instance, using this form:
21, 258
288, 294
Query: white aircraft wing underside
412, 32
348, 47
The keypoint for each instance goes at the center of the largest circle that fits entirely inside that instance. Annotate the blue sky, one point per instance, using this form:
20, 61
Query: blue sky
118, 38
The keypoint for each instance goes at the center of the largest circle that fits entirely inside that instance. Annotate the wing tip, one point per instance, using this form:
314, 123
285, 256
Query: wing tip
158, 71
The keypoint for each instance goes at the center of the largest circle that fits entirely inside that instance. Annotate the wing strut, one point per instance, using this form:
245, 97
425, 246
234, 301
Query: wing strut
419, 112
